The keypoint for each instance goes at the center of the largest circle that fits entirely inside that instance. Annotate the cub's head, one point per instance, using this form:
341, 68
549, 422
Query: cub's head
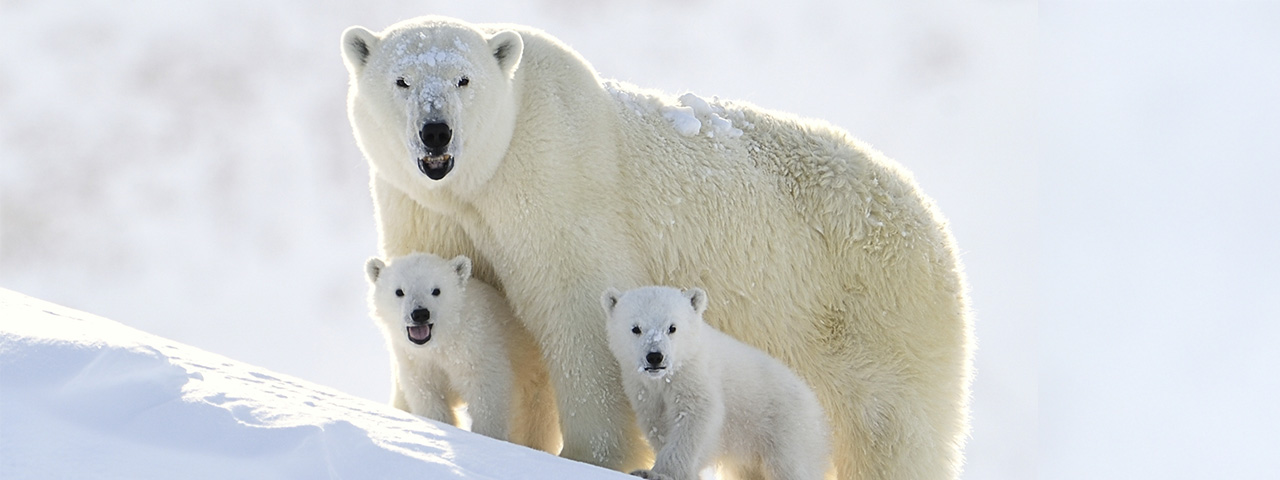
410, 295
431, 100
653, 329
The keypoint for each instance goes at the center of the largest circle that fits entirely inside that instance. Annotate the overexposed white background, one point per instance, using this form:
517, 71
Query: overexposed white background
1160, 226
1108, 169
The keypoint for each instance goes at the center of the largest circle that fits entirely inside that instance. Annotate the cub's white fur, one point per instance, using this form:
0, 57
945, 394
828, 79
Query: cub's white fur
703, 397
453, 340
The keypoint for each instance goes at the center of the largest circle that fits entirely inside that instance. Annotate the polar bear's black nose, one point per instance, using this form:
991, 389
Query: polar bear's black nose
420, 316
654, 358
435, 136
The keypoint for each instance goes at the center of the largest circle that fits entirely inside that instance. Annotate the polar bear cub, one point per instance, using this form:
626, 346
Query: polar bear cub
703, 397
453, 340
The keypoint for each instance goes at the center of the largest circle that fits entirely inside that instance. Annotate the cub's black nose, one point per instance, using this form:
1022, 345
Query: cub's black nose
654, 358
435, 136
420, 316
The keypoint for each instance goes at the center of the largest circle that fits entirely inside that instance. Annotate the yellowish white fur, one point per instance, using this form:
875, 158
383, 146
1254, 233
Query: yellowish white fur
816, 248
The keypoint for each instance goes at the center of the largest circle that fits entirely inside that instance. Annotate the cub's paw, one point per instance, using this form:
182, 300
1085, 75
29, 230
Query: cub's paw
649, 474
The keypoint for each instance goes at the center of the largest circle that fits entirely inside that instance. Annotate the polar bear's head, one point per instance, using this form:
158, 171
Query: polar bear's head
654, 329
432, 101
411, 295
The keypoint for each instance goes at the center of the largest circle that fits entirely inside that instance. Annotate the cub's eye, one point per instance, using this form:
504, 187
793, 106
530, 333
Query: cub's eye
464, 82
399, 292
435, 292
635, 330
671, 329
401, 83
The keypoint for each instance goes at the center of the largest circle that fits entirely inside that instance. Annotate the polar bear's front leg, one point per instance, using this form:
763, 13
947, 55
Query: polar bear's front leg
595, 418
489, 402
405, 226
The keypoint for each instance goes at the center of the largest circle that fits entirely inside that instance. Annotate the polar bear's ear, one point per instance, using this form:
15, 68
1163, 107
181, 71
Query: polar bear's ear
357, 41
697, 298
461, 266
507, 46
609, 299
373, 268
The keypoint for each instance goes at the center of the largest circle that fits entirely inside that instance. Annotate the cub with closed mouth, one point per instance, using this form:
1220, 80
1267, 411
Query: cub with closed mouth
703, 397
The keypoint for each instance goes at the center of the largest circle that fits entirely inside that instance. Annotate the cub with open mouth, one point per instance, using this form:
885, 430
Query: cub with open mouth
454, 340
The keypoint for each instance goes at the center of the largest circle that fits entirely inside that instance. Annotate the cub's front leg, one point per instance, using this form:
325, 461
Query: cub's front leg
428, 395
693, 433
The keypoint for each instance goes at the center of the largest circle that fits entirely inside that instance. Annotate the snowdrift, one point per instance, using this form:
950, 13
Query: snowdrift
86, 397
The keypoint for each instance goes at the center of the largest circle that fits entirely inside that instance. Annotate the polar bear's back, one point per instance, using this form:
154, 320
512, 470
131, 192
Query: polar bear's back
798, 210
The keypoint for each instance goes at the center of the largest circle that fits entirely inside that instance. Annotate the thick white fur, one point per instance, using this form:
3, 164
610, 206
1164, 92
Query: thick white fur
715, 399
818, 250
479, 353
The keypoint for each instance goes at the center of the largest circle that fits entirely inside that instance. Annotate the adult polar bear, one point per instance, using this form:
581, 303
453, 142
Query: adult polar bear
501, 143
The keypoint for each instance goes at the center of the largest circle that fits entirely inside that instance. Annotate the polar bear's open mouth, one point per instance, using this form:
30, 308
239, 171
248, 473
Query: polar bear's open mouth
436, 167
419, 334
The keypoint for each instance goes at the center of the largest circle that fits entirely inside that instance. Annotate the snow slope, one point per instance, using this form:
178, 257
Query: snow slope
86, 397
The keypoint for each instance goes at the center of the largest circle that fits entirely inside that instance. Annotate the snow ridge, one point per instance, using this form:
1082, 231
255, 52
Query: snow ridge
86, 395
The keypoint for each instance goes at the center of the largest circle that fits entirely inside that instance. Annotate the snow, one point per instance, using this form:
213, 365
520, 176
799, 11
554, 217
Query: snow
454, 58
84, 396
693, 114
710, 115
683, 119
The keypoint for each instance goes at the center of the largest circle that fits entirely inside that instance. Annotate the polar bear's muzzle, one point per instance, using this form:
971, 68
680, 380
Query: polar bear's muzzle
419, 328
655, 363
437, 166
435, 137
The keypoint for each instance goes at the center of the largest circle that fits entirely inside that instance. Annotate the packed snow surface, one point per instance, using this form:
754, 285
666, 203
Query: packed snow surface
82, 396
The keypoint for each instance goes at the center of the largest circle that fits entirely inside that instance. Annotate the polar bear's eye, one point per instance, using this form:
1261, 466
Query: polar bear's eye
399, 292
401, 83
435, 292
671, 329
635, 330
464, 82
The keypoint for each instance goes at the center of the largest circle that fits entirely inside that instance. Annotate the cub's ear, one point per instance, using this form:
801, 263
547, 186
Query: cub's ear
461, 266
357, 41
609, 299
507, 46
697, 298
373, 268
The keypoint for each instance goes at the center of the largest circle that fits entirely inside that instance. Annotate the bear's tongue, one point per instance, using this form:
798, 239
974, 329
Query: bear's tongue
419, 334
